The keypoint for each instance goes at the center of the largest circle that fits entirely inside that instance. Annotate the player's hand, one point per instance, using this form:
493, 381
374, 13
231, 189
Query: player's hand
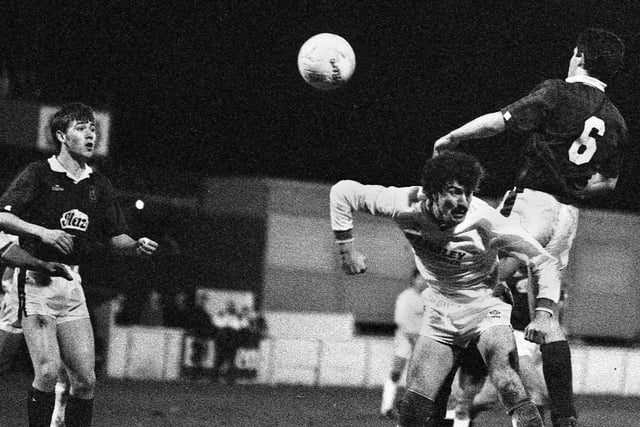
541, 327
55, 269
502, 291
443, 144
59, 239
146, 246
353, 262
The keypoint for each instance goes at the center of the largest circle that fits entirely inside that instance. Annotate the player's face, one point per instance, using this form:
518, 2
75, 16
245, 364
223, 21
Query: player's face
80, 139
452, 203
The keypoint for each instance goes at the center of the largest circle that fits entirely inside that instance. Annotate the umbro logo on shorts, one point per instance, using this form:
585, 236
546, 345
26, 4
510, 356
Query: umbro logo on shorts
495, 314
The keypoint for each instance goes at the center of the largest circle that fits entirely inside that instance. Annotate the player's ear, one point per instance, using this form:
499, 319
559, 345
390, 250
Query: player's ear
60, 135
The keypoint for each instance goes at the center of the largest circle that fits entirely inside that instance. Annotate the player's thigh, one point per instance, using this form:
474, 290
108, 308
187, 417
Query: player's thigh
40, 336
10, 345
430, 367
77, 346
498, 348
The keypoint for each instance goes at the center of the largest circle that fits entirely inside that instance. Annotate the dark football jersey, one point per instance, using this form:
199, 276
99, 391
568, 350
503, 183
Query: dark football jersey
572, 131
87, 209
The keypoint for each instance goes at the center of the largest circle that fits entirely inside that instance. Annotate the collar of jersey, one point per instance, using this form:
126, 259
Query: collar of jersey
589, 81
56, 166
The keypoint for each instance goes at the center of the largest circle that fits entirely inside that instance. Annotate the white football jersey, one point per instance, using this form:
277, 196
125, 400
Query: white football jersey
459, 262
408, 312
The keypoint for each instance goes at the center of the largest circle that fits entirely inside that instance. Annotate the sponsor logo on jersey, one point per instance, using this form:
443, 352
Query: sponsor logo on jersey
422, 246
57, 188
75, 220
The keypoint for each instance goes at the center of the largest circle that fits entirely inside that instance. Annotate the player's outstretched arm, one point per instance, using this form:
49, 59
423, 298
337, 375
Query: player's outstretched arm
481, 127
14, 256
58, 239
126, 245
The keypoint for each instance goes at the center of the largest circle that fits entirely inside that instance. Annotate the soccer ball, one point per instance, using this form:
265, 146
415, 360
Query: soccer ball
326, 61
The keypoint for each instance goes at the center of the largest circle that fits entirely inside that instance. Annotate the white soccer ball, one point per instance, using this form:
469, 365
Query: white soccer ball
326, 61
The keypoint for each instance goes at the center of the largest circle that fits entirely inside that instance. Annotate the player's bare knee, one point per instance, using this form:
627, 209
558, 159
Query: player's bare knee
46, 371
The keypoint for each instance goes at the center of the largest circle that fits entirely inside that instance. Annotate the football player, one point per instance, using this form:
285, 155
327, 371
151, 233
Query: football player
60, 208
571, 133
407, 316
456, 239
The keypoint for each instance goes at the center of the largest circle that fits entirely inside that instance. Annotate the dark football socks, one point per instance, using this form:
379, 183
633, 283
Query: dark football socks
40, 407
79, 412
556, 367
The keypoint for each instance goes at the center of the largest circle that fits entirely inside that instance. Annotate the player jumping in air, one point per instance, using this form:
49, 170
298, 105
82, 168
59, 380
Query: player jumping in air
456, 239
571, 134
60, 208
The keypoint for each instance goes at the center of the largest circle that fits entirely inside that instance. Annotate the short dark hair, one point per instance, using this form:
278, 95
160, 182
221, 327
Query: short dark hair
603, 52
448, 167
66, 115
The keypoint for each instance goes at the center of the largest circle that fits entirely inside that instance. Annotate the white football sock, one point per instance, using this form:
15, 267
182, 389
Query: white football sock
388, 396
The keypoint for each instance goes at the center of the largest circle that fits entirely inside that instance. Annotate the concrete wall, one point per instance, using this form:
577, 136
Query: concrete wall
339, 360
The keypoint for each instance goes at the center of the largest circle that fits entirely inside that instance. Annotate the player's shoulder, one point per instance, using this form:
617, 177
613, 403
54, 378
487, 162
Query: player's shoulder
483, 213
481, 206
38, 165
99, 177
550, 85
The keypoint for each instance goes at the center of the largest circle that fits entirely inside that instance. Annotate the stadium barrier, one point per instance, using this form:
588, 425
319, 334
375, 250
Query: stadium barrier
158, 354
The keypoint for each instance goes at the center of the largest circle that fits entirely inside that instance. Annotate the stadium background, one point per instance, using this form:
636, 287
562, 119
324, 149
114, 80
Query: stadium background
198, 90
213, 127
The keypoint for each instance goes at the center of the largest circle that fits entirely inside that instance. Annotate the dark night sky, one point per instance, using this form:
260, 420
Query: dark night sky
210, 88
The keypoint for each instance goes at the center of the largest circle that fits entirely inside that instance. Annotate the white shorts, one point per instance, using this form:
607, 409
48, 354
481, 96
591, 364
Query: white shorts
55, 297
9, 304
457, 324
551, 223
9, 316
403, 344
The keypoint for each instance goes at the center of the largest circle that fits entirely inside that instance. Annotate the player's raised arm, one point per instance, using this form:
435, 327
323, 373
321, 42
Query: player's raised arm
481, 127
349, 196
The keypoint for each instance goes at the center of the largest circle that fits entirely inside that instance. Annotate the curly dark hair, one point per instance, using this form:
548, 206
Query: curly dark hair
63, 118
448, 167
603, 52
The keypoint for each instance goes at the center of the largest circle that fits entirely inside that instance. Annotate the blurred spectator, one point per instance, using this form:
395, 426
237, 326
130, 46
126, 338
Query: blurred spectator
152, 313
228, 325
188, 312
253, 327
